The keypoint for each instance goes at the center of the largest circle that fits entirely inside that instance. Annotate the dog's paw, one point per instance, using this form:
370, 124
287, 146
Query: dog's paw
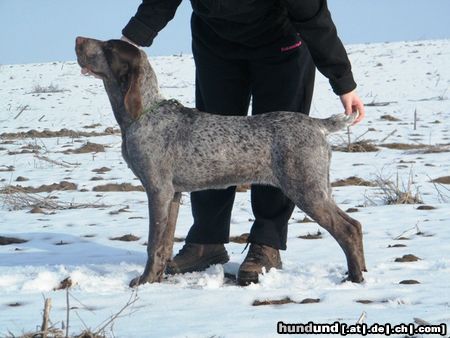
353, 279
135, 282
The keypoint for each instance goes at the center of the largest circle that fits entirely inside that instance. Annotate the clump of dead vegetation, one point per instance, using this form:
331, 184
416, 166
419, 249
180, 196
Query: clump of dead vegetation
19, 198
397, 192
52, 88
61, 329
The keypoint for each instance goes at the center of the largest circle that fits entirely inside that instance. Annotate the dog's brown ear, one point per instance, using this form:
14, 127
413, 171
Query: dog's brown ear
133, 100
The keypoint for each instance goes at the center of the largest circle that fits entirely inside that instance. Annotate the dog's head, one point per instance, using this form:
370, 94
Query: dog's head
117, 62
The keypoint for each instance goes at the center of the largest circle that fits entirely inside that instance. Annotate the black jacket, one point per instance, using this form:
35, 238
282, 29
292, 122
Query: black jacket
254, 28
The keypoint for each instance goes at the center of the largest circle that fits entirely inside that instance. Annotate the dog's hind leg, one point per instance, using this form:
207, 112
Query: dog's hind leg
348, 234
159, 234
357, 225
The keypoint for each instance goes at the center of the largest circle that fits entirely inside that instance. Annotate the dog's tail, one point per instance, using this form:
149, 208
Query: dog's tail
338, 122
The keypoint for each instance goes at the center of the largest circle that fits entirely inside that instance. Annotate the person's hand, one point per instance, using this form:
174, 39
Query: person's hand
352, 103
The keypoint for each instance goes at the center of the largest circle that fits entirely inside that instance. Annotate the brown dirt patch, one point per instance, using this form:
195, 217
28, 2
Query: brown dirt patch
286, 300
118, 187
8, 168
352, 180
317, 235
389, 118
63, 185
59, 133
16, 304
350, 210
126, 238
409, 282
101, 170
87, 148
397, 246
407, 258
11, 240
242, 239
357, 147
442, 180
425, 207
420, 148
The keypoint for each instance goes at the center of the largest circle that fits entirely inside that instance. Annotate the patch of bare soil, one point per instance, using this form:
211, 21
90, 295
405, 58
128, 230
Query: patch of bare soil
350, 210
442, 180
397, 246
63, 185
418, 148
101, 170
425, 207
368, 301
317, 235
286, 300
16, 304
242, 239
352, 180
126, 238
118, 187
87, 148
59, 133
407, 258
23, 151
5, 168
409, 282
389, 118
357, 147
11, 240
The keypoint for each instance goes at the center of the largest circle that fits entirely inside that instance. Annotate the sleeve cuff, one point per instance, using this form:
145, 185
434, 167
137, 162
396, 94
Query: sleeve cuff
343, 85
139, 33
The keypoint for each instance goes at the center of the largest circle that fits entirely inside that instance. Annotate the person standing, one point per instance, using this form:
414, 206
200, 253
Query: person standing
265, 52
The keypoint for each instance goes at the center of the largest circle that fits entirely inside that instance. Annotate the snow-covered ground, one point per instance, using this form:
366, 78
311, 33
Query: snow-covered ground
397, 80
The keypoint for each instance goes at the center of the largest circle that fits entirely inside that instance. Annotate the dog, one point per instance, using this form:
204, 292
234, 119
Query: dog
174, 149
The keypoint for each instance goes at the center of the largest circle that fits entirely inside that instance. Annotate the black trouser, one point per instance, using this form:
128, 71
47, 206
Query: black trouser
225, 86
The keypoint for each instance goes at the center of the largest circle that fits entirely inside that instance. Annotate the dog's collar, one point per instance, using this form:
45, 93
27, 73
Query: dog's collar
157, 105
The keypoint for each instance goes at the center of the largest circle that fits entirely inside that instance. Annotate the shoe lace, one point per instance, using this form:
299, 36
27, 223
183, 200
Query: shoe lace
256, 252
186, 248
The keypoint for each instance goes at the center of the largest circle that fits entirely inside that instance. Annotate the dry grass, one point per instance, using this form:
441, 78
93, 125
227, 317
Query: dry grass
394, 193
17, 198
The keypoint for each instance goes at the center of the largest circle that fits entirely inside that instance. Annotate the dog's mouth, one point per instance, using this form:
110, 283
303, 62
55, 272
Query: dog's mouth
85, 70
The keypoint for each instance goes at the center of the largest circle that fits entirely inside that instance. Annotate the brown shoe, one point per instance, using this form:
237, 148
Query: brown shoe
258, 256
197, 257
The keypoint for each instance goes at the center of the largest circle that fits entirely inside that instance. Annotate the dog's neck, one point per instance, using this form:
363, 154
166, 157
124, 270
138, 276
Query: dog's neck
148, 90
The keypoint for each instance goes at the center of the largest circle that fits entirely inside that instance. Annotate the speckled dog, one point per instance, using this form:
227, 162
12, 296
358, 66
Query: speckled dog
172, 149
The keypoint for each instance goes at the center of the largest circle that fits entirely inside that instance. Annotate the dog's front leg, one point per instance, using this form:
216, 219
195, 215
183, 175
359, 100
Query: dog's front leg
157, 246
171, 223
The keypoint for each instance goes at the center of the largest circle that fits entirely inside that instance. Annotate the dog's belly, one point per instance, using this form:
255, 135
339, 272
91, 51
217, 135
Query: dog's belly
220, 167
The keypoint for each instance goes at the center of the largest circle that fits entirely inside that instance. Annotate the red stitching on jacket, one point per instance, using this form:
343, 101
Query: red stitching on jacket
285, 49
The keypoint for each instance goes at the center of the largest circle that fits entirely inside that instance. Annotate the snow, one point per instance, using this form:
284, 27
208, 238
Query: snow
409, 76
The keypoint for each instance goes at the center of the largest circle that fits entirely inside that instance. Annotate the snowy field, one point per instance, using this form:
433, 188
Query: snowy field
66, 163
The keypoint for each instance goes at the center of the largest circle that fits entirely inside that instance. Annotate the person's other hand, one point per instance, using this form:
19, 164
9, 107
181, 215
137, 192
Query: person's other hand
352, 103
